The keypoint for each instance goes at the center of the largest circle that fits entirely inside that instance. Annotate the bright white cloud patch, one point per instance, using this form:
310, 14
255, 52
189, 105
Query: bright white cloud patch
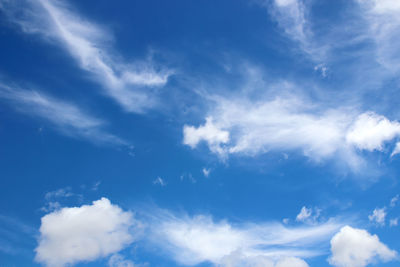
240, 126
209, 133
85, 233
66, 117
193, 240
128, 84
206, 172
378, 216
370, 131
357, 248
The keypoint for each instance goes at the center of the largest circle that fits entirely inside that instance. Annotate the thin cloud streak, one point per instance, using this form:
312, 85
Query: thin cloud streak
131, 85
65, 117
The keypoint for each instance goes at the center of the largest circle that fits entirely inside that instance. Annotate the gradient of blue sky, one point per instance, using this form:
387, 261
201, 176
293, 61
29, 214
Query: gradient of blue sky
199, 133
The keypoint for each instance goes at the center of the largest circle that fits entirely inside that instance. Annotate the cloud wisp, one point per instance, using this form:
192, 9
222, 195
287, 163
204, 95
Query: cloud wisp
133, 86
291, 16
65, 117
288, 122
199, 239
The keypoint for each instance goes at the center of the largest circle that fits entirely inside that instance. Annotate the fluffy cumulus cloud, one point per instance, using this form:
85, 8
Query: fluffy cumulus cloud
353, 247
240, 126
370, 131
85, 233
199, 239
89, 44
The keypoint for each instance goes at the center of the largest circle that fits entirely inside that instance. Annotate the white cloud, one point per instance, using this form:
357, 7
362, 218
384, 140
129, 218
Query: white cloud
128, 84
207, 132
396, 150
237, 259
353, 247
159, 181
118, 260
256, 127
66, 117
394, 222
394, 201
285, 123
304, 214
193, 240
85, 233
206, 172
291, 262
308, 215
290, 15
370, 131
378, 216
59, 193
383, 19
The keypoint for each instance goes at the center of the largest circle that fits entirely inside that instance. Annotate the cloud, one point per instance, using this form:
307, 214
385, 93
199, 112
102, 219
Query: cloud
396, 150
308, 215
394, 222
199, 239
207, 132
378, 216
383, 20
62, 192
16, 236
118, 260
236, 259
159, 181
65, 117
287, 122
394, 201
304, 214
85, 233
291, 17
353, 247
370, 131
206, 172
131, 85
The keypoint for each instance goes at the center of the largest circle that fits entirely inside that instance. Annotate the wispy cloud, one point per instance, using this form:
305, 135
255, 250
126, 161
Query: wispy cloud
198, 239
289, 121
15, 236
159, 181
131, 85
65, 117
383, 20
291, 16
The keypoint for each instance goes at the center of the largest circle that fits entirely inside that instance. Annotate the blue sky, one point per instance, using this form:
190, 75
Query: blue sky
199, 133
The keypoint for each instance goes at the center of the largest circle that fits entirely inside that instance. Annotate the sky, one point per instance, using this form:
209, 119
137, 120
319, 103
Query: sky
255, 133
